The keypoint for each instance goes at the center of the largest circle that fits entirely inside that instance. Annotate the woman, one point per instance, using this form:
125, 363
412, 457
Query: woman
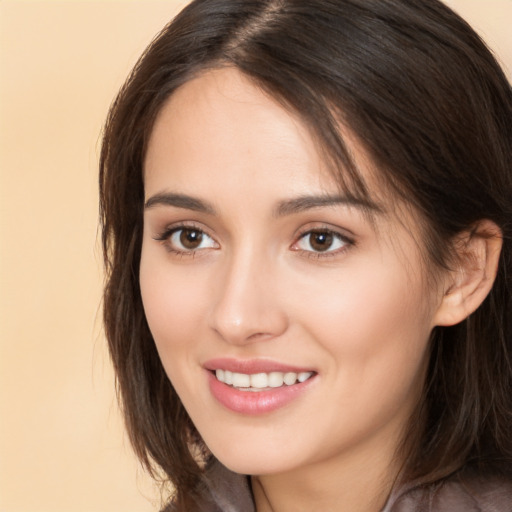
306, 212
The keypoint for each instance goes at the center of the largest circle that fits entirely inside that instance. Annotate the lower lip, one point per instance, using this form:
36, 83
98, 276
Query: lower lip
256, 402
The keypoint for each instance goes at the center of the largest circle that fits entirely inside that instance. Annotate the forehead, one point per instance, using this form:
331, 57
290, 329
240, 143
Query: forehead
221, 128
223, 121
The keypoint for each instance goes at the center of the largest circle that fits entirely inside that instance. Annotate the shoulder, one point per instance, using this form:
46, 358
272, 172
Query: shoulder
465, 491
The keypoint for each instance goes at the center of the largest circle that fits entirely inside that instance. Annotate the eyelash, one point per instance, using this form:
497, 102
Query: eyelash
347, 242
166, 235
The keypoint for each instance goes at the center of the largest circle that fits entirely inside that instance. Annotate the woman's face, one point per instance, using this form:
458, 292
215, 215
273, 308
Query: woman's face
314, 315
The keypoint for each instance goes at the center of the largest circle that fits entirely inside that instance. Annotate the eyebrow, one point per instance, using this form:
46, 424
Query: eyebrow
283, 208
179, 201
307, 202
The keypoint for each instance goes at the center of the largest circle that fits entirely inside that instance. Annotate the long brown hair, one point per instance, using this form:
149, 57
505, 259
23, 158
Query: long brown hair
434, 110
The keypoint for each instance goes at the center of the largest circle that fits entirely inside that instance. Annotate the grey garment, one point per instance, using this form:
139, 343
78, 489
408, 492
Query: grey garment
227, 491
220, 490
466, 491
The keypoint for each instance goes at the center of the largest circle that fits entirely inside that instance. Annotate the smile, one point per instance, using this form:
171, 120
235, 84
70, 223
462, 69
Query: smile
273, 385
260, 381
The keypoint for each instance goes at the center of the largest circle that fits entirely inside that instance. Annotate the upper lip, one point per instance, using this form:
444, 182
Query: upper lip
252, 366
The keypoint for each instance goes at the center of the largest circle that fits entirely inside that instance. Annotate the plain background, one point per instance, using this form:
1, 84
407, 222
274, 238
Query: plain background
62, 446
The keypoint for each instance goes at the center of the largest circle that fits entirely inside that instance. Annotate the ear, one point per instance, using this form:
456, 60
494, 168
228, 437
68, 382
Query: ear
477, 254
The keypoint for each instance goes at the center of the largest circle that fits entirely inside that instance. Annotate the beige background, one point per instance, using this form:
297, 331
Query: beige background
62, 447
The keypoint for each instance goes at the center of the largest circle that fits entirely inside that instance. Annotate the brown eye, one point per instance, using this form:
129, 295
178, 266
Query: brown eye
322, 241
186, 239
190, 238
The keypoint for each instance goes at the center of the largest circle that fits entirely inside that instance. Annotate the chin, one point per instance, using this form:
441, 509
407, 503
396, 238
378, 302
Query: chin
251, 466
255, 458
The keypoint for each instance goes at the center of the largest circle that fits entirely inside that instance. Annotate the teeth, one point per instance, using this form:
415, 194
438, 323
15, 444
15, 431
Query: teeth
258, 381
241, 380
290, 378
275, 379
302, 377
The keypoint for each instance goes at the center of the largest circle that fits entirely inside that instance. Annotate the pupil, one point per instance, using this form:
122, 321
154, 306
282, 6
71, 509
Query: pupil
190, 238
321, 241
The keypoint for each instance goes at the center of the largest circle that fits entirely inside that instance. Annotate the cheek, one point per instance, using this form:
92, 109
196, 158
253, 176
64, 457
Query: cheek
173, 302
377, 339
363, 303
375, 325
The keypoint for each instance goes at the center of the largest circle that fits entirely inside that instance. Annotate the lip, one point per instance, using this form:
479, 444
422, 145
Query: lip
251, 366
253, 403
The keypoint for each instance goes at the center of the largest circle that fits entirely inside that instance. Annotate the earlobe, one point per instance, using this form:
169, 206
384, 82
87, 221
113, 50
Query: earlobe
477, 254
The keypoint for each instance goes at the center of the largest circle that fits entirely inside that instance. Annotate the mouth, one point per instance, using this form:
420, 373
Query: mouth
258, 386
257, 382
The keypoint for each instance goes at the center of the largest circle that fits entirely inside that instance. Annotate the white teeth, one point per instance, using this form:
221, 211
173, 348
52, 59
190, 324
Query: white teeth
304, 376
258, 381
241, 380
290, 378
275, 379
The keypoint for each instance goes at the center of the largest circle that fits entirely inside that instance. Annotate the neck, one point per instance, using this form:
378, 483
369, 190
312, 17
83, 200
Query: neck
352, 482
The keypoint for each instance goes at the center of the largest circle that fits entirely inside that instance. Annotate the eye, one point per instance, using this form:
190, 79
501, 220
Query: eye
321, 241
187, 240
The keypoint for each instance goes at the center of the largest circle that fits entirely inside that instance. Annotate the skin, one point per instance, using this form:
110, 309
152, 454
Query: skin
358, 314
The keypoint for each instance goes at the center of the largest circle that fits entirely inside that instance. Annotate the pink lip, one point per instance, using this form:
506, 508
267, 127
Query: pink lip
251, 366
254, 402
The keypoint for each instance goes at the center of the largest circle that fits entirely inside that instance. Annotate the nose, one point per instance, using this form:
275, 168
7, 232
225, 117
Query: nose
247, 307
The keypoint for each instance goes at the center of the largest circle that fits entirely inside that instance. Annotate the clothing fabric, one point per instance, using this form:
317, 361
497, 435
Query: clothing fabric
466, 491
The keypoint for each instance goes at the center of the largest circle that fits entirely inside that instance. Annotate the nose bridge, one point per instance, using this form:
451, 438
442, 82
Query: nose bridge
246, 307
